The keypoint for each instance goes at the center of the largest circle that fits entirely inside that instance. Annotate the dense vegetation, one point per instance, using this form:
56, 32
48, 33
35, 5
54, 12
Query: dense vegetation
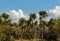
29, 29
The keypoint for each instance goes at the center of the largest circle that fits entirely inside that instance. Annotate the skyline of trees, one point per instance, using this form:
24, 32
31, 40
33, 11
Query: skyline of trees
29, 29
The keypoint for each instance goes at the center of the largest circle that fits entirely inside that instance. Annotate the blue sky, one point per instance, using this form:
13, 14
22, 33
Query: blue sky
28, 6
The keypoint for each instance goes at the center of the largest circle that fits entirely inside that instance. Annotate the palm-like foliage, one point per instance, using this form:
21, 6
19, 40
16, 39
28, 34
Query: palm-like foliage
5, 16
42, 14
21, 21
32, 16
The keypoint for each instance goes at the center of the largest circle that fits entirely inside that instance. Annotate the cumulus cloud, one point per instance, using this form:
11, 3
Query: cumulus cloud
37, 14
21, 14
55, 13
16, 15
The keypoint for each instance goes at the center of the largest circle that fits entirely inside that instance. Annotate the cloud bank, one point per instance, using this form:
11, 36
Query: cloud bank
54, 13
16, 15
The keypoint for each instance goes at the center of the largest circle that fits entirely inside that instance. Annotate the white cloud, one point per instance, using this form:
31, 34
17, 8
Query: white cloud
21, 14
37, 15
55, 13
16, 15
